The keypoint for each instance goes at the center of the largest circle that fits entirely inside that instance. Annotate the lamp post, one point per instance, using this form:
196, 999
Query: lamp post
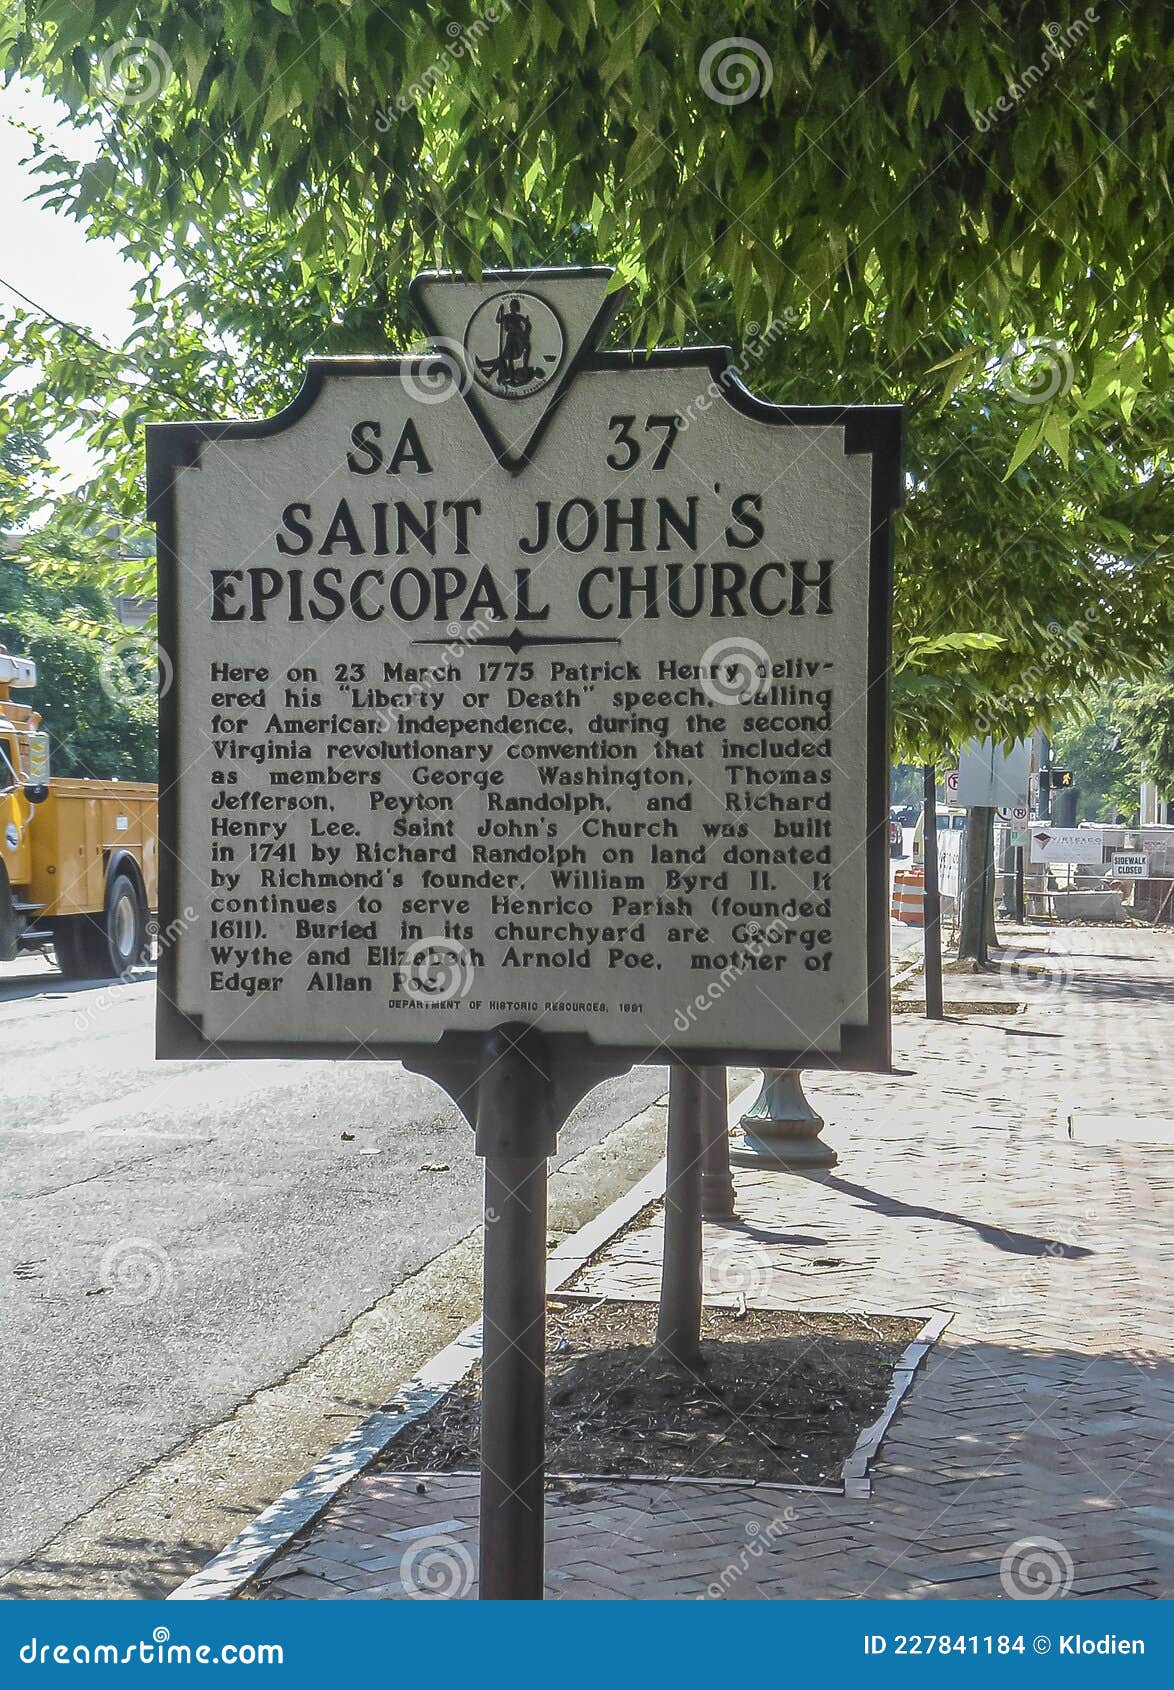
781, 1129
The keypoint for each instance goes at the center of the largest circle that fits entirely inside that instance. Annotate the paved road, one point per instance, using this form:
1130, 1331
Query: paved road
177, 1236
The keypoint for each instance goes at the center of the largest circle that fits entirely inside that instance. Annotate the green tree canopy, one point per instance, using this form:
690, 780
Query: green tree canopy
1116, 738
859, 163
869, 208
95, 677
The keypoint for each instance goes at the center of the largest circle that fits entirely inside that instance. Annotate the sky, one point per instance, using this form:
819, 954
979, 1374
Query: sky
46, 255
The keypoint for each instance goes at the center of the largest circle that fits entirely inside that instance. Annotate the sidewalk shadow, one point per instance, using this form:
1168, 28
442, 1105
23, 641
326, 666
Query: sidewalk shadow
22, 986
747, 1229
140, 1568
1002, 1238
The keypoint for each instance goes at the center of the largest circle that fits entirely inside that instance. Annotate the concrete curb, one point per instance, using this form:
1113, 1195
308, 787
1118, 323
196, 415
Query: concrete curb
226, 1574
856, 1475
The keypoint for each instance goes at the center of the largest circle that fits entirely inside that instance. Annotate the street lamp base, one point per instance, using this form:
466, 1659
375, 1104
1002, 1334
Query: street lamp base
750, 1150
781, 1129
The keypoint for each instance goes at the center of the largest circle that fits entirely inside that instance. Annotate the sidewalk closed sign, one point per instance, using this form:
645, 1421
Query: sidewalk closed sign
522, 681
1130, 865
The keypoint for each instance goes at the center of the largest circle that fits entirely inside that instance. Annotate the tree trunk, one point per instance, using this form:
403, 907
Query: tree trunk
678, 1328
975, 929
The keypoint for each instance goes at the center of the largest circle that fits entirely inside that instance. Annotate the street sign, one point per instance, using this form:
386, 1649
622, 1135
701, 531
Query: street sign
950, 789
989, 776
525, 682
1131, 865
1013, 819
1066, 844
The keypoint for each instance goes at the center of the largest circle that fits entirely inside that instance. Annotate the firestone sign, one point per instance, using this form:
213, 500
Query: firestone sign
523, 681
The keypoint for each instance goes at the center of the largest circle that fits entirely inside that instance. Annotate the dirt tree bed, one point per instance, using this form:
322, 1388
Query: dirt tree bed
781, 1396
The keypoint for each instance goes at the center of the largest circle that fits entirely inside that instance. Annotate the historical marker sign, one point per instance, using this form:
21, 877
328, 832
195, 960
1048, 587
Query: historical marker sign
527, 682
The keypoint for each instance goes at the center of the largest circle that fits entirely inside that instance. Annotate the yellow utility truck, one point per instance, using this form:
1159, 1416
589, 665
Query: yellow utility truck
78, 858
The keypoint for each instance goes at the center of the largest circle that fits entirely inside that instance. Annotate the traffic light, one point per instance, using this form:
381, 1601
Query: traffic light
1061, 778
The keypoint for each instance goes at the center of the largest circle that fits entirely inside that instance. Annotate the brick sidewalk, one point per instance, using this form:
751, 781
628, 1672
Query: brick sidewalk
1036, 1437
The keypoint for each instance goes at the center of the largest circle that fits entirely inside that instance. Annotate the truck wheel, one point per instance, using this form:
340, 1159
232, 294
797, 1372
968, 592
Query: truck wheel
120, 938
106, 946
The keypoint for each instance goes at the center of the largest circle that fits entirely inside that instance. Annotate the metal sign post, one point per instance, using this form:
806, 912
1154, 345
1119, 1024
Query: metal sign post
515, 1135
529, 722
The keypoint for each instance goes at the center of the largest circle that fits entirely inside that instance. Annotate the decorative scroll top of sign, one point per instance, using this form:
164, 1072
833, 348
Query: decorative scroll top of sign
513, 341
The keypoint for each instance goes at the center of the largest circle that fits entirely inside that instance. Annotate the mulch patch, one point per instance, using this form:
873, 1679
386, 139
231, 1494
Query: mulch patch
780, 1396
960, 1006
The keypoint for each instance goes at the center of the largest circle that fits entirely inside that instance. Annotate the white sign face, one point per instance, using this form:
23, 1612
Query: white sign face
1013, 816
989, 776
950, 788
949, 862
578, 727
1130, 865
1066, 844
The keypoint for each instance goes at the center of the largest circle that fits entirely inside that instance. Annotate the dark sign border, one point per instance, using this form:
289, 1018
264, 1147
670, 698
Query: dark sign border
456, 1057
